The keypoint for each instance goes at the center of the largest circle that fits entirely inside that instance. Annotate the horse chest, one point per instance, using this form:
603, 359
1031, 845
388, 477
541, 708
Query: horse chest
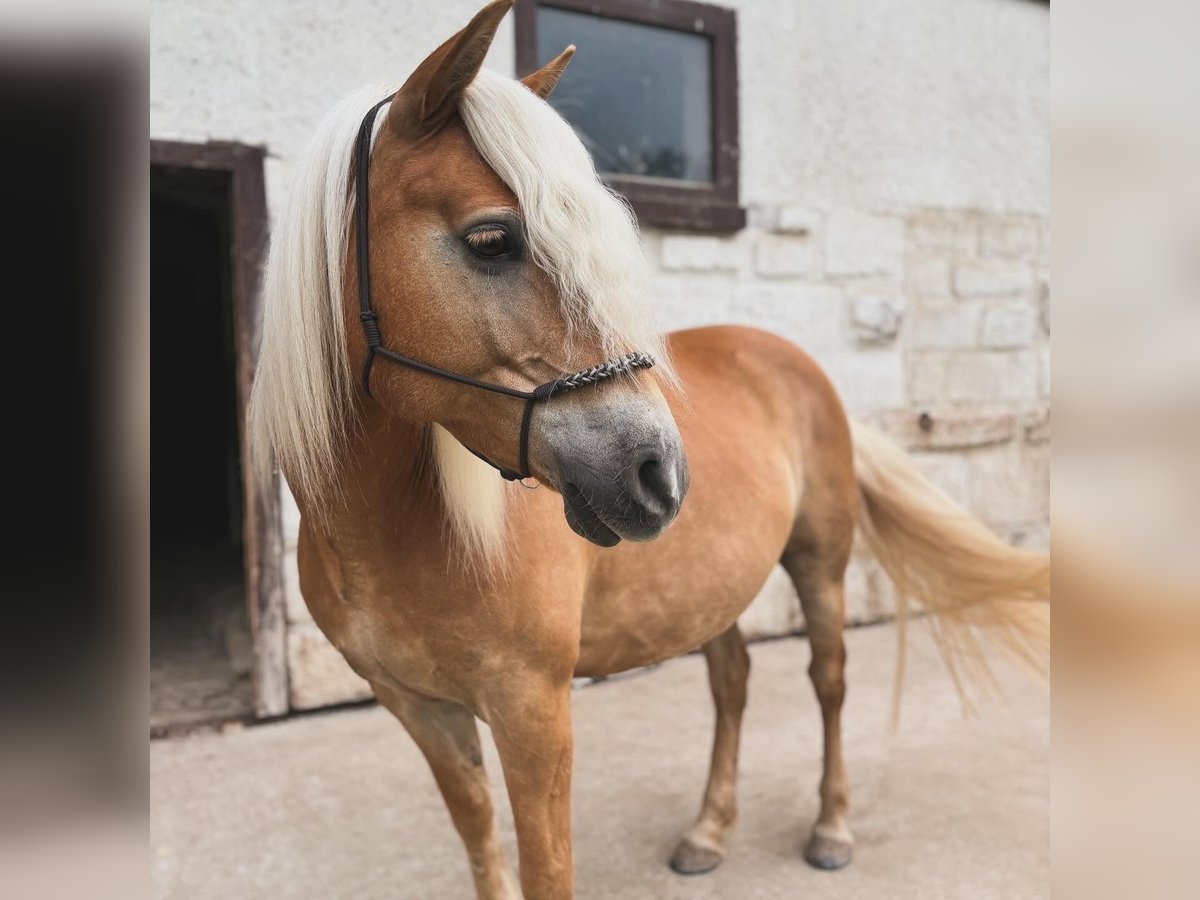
654, 601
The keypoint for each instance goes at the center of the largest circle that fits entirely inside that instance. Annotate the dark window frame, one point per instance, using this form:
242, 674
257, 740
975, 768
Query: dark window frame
706, 208
262, 526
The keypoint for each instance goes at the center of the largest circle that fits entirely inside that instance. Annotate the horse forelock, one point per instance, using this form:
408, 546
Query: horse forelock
578, 231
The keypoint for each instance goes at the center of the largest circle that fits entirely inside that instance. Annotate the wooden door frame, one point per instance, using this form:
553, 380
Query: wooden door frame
262, 526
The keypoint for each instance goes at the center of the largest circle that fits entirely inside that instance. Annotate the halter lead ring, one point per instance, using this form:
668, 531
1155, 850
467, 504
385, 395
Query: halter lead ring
370, 324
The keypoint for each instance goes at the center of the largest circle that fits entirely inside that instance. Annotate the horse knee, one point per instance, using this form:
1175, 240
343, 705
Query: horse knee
829, 680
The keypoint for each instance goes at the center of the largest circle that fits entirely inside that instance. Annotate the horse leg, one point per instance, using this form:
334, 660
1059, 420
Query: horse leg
728, 670
532, 727
449, 738
821, 596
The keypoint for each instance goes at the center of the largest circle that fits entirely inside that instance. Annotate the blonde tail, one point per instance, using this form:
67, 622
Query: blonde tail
935, 552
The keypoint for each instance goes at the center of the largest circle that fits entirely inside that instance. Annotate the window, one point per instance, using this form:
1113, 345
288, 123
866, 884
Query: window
652, 93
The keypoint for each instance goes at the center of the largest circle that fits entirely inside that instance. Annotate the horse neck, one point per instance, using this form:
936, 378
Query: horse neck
389, 481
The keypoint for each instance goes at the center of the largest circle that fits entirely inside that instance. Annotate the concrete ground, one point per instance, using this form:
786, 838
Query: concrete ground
341, 804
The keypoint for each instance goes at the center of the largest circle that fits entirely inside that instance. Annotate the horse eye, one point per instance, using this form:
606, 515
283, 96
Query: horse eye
489, 241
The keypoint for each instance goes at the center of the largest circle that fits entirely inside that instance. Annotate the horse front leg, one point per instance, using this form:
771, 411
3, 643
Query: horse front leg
728, 671
532, 727
449, 739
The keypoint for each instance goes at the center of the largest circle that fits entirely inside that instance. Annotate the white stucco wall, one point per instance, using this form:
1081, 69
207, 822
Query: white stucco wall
879, 104
895, 168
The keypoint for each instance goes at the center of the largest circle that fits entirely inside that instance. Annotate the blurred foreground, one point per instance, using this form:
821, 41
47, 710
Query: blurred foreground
1126, 474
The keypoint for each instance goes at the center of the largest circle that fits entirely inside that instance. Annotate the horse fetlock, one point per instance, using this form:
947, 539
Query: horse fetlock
495, 884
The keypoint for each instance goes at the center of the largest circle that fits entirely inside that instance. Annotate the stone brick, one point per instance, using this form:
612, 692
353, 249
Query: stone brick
992, 377
700, 253
779, 256
861, 244
1010, 485
1037, 426
317, 673
946, 326
1008, 326
875, 315
992, 278
947, 234
1043, 371
949, 471
688, 253
761, 217
926, 382
928, 277
689, 299
867, 379
809, 315
797, 220
936, 429
1013, 238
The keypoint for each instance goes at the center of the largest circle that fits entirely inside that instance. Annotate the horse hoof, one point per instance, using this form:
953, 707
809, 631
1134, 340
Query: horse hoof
689, 859
828, 853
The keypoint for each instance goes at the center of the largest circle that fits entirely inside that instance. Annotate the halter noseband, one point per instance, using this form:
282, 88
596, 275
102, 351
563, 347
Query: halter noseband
370, 324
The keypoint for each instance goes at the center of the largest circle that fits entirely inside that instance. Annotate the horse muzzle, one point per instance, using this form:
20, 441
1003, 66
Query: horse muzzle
635, 497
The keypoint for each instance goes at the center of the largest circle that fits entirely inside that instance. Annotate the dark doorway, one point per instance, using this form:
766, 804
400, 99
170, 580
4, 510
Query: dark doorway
201, 650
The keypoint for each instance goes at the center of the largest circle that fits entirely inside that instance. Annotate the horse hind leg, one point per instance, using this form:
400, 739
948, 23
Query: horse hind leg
703, 848
820, 586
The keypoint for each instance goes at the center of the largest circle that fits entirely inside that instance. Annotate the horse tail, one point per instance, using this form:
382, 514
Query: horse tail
975, 586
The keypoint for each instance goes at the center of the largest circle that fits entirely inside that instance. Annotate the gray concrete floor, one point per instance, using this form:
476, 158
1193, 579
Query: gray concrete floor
342, 805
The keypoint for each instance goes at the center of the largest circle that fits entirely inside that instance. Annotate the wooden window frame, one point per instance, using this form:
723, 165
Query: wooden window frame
262, 525
707, 208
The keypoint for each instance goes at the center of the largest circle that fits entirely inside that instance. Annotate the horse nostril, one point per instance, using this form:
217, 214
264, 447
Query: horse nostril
659, 482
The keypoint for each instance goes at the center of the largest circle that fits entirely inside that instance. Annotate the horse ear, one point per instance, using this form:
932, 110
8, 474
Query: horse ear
430, 95
545, 79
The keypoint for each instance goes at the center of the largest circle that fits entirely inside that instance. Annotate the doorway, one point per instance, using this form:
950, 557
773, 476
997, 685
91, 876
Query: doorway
215, 626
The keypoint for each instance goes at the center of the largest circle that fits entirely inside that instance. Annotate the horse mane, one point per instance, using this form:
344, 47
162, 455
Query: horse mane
302, 402
302, 406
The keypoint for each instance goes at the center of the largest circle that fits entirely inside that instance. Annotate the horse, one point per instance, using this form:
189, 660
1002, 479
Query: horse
498, 260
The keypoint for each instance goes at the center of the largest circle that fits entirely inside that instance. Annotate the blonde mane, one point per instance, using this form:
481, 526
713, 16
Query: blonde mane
578, 231
302, 407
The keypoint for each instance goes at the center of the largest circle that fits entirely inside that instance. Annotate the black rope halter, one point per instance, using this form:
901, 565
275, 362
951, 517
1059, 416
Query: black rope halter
370, 324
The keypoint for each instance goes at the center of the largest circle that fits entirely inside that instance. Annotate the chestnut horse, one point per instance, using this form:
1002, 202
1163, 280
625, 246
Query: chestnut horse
497, 254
